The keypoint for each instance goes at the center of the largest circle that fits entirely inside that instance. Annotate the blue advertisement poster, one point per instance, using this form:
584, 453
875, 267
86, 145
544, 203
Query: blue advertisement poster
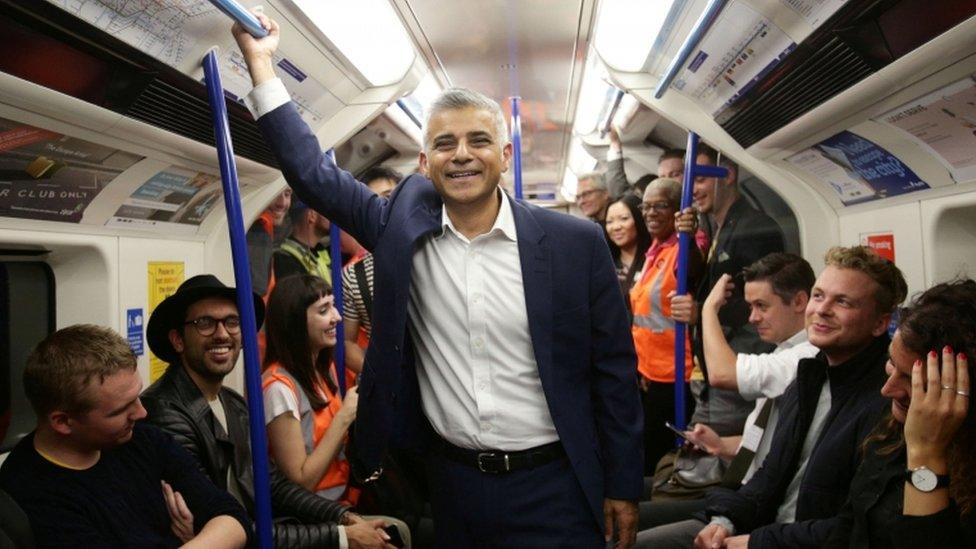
868, 167
133, 329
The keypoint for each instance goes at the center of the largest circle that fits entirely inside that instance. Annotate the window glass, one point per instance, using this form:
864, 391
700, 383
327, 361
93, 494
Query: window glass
26, 317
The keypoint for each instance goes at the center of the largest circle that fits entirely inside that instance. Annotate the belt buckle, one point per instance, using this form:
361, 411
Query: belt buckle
484, 468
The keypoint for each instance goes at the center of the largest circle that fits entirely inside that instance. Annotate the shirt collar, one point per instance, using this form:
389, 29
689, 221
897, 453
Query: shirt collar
796, 339
504, 221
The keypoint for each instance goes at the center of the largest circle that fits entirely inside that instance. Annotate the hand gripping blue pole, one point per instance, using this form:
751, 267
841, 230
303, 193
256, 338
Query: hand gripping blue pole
245, 301
245, 18
517, 145
692, 170
335, 254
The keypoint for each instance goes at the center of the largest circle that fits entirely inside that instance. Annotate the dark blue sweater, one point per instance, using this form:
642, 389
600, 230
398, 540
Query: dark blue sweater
118, 502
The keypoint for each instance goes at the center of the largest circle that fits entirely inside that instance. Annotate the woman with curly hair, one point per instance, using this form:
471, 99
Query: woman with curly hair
916, 486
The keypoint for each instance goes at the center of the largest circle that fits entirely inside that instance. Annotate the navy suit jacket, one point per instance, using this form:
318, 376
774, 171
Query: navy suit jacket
577, 318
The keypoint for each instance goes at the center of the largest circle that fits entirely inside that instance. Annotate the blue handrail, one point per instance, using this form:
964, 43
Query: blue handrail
335, 254
694, 37
245, 300
517, 145
692, 170
245, 18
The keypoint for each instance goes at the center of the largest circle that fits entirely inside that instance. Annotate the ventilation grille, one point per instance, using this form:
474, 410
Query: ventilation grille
172, 109
824, 73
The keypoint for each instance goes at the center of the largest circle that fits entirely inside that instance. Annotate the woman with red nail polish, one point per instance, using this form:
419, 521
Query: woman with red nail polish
917, 484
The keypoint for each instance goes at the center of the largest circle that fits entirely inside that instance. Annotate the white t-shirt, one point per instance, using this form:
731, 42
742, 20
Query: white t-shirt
768, 375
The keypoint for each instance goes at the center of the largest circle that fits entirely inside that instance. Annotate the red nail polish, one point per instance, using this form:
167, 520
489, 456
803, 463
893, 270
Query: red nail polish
947, 349
961, 356
918, 363
933, 354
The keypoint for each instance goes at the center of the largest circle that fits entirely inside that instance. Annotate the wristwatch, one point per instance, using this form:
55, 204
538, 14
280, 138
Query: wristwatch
924, 480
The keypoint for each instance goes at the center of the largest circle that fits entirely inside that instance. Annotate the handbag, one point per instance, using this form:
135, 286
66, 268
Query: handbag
685, 474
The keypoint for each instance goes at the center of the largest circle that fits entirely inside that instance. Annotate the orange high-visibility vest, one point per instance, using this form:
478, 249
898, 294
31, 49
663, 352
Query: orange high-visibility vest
314, 425
653, 328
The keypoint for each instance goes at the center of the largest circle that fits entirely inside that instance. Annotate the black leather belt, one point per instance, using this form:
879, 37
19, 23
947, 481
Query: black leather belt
498, 461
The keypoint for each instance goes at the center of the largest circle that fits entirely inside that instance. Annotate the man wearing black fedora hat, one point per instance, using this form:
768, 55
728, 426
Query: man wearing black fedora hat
197, 330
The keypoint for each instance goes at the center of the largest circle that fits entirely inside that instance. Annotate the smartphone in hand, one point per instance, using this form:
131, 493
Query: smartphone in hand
676, 431
394, 533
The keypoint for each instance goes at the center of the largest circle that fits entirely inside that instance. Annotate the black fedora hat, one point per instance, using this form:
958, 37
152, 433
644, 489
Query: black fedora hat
170, 313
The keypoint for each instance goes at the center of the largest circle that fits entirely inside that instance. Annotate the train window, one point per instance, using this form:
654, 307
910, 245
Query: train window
26, 317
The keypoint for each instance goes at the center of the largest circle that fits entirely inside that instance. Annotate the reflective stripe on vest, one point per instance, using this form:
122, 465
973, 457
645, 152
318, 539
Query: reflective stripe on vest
314, 425
314, 264
653, 328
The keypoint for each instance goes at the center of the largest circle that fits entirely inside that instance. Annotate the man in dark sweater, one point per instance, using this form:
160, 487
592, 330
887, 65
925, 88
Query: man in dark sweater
793, 500
90, 475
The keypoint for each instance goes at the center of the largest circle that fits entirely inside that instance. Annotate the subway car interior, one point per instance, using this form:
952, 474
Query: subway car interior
852, 122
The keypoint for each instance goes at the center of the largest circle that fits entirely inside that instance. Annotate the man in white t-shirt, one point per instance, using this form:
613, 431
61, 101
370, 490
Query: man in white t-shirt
777, 289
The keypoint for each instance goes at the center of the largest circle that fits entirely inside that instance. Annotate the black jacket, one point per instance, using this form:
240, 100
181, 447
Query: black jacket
856, 405
872, 516
177, 406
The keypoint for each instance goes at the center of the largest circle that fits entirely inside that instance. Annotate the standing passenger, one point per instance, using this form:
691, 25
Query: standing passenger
498, 324
653, 327
592, 196
629, 240
738, 235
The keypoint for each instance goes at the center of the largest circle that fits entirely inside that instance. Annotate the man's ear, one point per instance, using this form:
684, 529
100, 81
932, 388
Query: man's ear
176, 340
882, 325
60, 422
422, 162
507, 152
800, 300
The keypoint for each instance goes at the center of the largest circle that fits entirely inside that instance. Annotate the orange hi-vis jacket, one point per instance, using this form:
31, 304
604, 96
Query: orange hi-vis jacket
315, 423
653, 328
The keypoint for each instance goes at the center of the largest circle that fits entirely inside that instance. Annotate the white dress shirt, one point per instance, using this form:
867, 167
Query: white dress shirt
766, 373
479, 381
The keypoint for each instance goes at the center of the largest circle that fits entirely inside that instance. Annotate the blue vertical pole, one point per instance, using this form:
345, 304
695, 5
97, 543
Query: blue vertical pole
245, 300
335, 253
517, 145
692, 170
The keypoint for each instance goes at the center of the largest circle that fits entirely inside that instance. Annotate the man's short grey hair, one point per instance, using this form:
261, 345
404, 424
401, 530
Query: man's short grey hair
453, 99
671, 189
596, 178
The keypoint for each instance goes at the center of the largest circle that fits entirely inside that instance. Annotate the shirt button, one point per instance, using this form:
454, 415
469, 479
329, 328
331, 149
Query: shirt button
483, 385
478, 343
486, 426
476, 298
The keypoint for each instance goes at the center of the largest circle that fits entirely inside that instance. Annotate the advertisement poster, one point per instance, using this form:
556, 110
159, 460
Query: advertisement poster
164, 278
857, 169
49, 176
943, 123
814, 12
133, 330
742, 47
172, 196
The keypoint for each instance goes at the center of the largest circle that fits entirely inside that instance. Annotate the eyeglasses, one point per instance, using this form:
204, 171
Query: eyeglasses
587, 194
657, 207
207, 325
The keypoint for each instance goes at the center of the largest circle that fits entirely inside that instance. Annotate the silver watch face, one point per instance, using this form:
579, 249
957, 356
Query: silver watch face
924, 479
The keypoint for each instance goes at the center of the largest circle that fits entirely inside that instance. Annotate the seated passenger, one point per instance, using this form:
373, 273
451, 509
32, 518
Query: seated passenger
916, 485
91, 474
197, 330
629, 240
653, 328
777, 289
793, 500
307, 418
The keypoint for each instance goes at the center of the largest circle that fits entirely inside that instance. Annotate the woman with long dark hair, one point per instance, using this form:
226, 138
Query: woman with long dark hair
307, 419
917, 484
629, 239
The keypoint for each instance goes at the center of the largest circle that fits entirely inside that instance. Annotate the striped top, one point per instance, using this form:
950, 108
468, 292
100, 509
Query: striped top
354, 306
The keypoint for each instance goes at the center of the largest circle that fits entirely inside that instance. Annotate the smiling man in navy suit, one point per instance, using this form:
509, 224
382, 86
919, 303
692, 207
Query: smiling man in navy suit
500, 343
